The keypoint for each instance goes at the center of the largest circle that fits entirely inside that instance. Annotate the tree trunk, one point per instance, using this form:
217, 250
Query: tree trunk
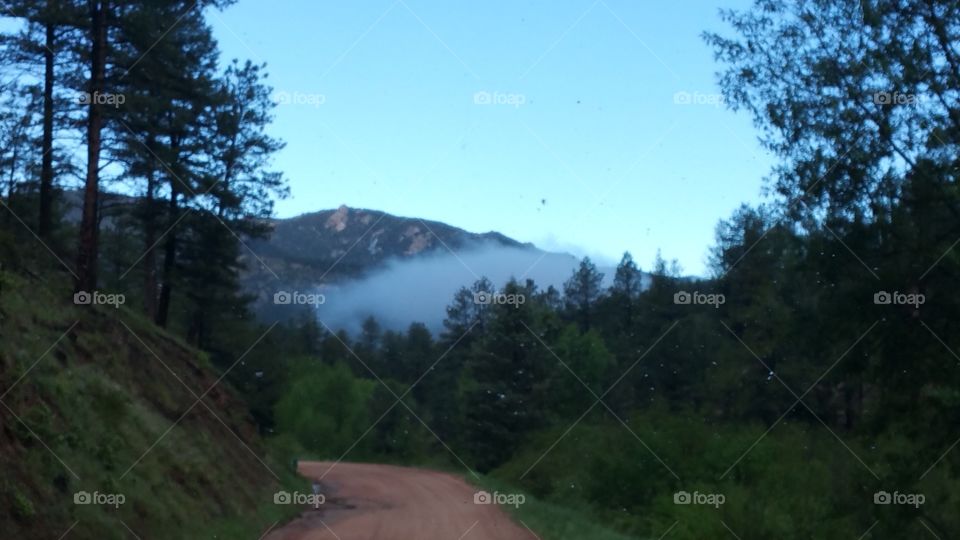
169, 258
12, 179
150, 238
197, 333
46, 167
170, 245
87, 252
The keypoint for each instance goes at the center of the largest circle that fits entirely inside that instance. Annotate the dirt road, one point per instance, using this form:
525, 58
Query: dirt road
383, 502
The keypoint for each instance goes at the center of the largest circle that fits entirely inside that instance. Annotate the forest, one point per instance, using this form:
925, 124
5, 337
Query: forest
809, 387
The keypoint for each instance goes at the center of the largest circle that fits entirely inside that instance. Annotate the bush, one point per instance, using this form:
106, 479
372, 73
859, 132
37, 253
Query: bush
22, 507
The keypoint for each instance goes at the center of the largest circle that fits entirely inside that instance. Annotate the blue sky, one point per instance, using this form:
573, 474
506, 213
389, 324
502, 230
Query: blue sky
553, 122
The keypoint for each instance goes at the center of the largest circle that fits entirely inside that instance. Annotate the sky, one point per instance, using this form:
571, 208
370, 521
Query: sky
592, 127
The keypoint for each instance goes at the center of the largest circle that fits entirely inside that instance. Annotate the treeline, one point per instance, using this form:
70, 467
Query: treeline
132, 96
482, 383
795, 396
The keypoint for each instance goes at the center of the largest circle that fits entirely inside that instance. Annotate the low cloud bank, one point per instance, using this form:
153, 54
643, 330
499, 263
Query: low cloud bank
419, 289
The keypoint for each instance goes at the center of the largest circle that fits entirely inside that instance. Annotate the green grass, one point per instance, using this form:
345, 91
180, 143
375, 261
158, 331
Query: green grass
256, 522
98, 399
547, 520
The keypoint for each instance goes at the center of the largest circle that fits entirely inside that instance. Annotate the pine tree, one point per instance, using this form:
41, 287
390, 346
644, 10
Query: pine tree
627, 286
503, 400
41, 44
467, 314
99, 19
371, 336
582, 291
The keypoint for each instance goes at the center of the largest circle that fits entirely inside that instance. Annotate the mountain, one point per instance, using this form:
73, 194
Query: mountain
327, 247
368, 262
326, 250
349, 243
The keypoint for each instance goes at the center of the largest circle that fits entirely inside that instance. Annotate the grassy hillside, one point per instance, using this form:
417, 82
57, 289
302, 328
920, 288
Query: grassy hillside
97, 400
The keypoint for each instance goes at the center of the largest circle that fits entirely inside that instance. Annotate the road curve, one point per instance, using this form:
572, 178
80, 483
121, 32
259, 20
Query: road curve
384, 502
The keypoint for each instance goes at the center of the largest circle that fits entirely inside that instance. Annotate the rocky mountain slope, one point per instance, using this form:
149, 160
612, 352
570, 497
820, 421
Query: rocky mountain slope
331, 247
350, 242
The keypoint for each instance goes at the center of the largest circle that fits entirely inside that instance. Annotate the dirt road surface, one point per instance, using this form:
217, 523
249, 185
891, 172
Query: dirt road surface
383, 502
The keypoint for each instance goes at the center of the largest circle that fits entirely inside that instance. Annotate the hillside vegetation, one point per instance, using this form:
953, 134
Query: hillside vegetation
96, 399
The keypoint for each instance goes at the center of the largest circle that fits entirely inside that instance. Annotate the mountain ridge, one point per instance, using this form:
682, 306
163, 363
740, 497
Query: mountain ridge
491, 234
339, 233
333, 246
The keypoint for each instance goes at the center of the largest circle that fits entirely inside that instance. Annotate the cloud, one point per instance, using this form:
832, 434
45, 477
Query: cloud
420, 289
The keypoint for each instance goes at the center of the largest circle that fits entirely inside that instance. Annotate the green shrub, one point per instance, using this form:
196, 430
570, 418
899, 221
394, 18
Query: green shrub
22, 507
